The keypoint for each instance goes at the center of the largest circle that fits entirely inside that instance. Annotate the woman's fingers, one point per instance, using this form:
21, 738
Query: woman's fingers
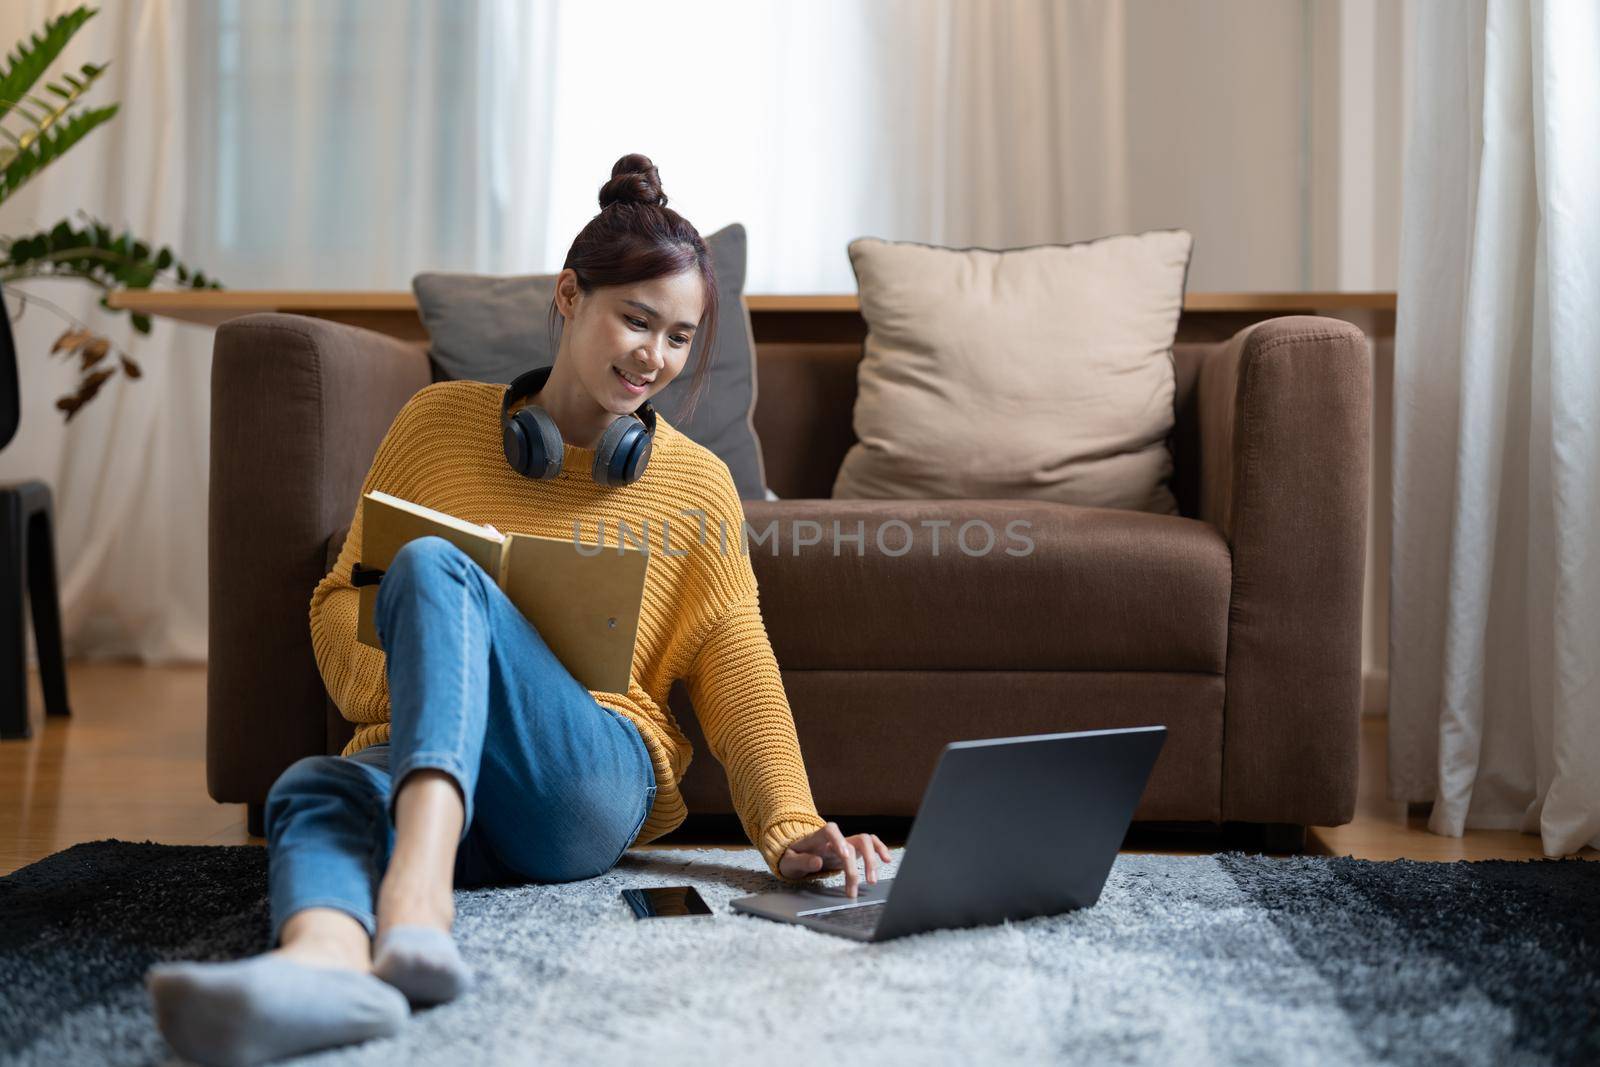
847, 856
869, 848
883, 849
869, 857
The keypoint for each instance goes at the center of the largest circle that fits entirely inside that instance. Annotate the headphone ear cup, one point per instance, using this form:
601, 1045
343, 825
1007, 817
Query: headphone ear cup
514, 442
639, 456
533, 444
619, 458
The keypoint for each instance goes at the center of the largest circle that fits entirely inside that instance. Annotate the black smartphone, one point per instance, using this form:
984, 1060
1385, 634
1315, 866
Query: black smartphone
665, 901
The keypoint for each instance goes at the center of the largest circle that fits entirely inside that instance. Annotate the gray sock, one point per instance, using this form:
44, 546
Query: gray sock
423, 963
267, 1007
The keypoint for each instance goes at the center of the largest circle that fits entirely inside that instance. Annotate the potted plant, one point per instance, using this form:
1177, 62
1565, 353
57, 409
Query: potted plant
36, 129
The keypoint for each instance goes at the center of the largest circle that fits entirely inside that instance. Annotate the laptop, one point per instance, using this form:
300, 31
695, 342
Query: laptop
1008, 828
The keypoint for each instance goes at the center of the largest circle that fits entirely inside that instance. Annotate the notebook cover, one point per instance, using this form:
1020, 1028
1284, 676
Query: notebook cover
584, 601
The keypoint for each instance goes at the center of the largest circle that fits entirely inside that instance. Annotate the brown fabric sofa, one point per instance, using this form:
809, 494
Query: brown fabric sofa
1237, 624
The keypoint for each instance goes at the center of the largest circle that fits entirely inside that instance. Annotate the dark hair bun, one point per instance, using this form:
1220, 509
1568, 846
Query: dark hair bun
634, 180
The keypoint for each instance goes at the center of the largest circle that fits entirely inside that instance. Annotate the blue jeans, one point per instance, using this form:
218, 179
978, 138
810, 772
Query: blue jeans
556, 785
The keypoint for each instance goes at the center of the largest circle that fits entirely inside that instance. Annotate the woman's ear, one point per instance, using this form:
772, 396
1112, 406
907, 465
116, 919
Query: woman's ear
568, 293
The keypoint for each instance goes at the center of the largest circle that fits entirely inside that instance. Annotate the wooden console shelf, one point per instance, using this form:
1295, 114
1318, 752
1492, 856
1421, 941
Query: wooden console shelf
777, 318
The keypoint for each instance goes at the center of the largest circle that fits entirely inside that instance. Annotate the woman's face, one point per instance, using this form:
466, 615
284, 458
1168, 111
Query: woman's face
641, 331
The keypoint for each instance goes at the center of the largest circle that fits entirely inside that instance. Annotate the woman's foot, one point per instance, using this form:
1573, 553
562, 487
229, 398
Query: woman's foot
414, 951
423, 963
269, 1006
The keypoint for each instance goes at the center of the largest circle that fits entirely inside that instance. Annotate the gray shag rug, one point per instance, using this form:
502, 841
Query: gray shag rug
1214, 959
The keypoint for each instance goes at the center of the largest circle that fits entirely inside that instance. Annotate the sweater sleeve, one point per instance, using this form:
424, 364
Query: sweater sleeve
354, 672
739, 700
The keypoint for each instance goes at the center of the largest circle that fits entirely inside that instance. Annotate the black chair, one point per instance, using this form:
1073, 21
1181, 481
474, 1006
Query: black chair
27, 547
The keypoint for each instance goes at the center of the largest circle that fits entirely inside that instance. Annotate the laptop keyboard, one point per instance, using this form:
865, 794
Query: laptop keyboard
863, 917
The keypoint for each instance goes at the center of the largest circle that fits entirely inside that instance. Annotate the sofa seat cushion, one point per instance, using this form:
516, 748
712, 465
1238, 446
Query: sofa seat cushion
1100, 589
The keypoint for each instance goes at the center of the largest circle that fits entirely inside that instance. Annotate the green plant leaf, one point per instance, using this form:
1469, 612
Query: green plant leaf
135, 274
50, 146
29, 61
51, 114
92, 254
35, 148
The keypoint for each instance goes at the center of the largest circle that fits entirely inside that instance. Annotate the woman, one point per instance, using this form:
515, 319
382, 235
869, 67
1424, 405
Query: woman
479, 759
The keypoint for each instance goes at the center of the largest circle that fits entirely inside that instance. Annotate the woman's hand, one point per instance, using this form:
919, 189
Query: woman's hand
828, 849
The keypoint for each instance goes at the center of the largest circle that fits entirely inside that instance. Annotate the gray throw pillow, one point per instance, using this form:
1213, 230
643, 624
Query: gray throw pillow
491, 328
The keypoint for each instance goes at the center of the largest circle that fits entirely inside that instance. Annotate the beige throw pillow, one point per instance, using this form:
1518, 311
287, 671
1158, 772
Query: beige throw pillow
1042, 373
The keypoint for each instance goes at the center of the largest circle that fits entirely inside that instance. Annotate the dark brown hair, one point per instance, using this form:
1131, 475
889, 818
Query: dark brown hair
636, 237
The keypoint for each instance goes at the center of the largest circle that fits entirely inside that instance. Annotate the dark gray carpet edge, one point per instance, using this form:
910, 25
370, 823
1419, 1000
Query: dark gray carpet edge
80, 928
1523, 935
1393, 941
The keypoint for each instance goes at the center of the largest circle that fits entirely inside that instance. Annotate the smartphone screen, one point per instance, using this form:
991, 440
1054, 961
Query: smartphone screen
665, 901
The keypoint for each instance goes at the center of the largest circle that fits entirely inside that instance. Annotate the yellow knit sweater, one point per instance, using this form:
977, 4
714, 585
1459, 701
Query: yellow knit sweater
701, 619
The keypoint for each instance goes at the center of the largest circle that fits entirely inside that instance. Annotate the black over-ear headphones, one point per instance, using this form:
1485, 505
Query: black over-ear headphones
533, 442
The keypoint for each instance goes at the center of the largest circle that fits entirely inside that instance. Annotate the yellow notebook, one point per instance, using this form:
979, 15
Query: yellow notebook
583, 602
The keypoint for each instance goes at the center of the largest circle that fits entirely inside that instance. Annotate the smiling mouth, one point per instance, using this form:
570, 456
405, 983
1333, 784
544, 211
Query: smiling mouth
635, 382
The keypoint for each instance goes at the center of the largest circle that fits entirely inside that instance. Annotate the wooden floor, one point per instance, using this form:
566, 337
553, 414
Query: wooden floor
130, 764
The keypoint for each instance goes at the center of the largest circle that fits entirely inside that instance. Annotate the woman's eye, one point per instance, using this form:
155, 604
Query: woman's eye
639, 324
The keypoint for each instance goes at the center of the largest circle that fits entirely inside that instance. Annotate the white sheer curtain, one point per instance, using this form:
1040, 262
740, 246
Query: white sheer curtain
1495, 626
948, 121
346, 144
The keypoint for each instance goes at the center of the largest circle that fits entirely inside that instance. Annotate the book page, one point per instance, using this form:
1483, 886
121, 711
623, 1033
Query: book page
443, 518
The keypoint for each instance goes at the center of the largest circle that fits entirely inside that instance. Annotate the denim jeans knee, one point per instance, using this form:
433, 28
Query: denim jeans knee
423, 553
427, 549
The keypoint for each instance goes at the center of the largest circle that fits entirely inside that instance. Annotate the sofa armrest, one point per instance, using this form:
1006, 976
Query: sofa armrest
298, 408
1285, 424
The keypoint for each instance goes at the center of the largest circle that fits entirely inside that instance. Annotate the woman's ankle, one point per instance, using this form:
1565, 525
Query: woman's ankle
326, 937
418, 886
403, 902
